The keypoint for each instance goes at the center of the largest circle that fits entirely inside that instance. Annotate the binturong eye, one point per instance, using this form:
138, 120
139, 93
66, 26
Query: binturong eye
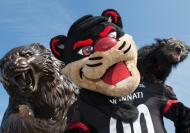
171, 46
112, 34
86, 50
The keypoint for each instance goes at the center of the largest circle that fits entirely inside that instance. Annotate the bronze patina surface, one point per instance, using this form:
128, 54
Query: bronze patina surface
40, 94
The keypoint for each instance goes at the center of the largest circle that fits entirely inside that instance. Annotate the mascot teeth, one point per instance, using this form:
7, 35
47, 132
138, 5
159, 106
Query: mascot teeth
124, 81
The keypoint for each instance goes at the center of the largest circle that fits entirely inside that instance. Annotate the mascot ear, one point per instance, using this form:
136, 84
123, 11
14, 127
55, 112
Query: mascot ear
113, 17
57, 46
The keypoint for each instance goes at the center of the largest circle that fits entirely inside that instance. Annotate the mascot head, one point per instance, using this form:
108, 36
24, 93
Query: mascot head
98, 55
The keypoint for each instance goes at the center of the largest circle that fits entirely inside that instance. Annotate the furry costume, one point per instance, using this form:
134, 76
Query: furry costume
101, 59
155, 63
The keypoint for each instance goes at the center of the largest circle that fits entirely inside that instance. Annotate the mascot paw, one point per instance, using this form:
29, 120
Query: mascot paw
182, 122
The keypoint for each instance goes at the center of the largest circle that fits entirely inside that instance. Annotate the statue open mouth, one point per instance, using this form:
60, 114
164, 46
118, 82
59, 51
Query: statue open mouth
24, 80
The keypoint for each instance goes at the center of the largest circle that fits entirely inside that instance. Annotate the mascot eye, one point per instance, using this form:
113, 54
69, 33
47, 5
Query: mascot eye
86, 50
112, 34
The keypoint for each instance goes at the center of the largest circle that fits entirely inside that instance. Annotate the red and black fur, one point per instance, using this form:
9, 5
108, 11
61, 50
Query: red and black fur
93, 48
156, 61
101, 59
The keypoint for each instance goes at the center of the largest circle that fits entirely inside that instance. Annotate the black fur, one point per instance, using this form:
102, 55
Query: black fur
156, 61
123, 111
181, 117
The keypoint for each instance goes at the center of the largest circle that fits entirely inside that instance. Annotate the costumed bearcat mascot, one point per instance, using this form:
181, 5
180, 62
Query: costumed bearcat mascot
101, 59
40, 94
155, 63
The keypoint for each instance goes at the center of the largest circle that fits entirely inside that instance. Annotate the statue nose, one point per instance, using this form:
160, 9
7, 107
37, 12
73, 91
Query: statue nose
105, 44
14, 64
10, 65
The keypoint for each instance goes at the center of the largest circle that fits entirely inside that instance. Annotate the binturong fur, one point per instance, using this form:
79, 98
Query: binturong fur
156, 61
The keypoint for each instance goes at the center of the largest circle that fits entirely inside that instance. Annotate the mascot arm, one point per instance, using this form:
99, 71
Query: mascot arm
75, 121
76, 130
180, 115
177, 112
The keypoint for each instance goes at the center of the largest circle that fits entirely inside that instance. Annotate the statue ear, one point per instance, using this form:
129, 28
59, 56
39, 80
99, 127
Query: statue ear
57, 46
113, 17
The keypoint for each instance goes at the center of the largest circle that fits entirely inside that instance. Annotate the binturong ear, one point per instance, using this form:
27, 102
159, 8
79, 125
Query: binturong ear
57, 46
113, 17
162, 43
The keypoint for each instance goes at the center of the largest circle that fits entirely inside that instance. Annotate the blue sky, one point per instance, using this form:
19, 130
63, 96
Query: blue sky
24, 22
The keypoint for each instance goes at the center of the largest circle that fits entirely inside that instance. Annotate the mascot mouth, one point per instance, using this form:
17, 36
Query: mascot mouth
118, 74
24, 80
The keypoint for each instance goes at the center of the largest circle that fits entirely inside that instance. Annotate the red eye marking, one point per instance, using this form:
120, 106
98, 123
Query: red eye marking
106, 31
83, 43
114, 15
53, 46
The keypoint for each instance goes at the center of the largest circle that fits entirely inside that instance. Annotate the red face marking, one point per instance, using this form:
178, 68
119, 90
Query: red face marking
106, 31
83, 43
53, 46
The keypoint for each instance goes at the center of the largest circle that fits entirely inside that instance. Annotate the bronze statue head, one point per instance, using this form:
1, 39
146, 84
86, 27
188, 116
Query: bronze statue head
40, 94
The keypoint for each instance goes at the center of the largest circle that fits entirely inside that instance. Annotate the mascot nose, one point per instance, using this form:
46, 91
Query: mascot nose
105, 44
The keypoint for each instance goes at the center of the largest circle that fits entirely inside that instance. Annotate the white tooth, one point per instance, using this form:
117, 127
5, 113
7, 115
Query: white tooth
124, 81
31, 87
23, 76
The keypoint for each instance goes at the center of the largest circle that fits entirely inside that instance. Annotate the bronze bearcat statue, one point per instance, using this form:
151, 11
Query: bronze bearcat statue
40, 94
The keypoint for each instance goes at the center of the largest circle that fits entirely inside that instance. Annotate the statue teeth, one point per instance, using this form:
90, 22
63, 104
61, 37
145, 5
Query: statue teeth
31, 87
23, 76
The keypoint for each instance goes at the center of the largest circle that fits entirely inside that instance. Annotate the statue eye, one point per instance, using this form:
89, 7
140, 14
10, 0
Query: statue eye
112, 34
86, 50
27, 55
